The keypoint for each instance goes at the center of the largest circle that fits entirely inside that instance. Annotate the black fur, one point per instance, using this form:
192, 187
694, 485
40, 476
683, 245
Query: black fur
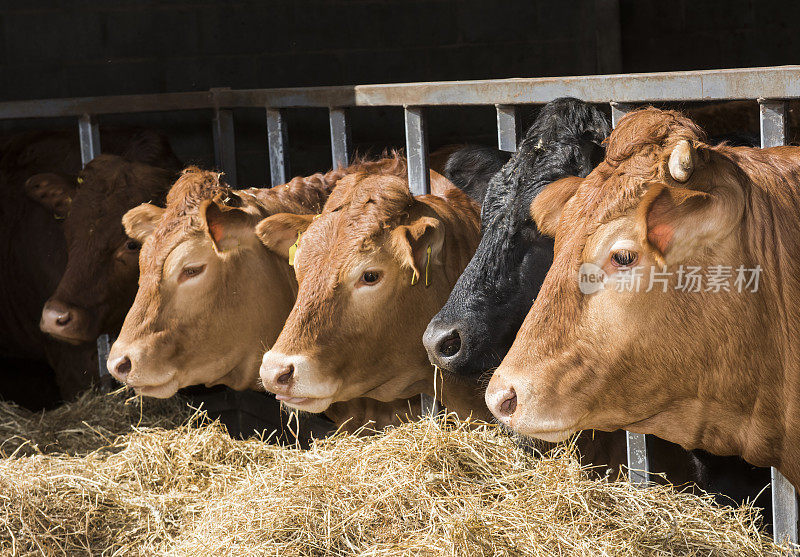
496, 290
471, 167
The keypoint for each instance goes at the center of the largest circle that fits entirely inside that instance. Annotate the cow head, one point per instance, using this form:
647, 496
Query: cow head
100, 279
209, 292
477, 325
372, 270
615, 339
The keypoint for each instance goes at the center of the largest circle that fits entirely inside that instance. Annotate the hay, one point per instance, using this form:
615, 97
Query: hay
425, 488
90, 422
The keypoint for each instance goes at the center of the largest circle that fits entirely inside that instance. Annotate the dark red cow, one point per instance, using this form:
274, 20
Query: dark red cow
47, 218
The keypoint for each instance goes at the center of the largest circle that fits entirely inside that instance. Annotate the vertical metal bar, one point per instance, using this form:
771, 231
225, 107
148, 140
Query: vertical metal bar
507, 127
417, 151
224, 141
785, 514
638, 461
104, 343
618, 110
278, 147
419, 184
340, 137
773, 123
89, 136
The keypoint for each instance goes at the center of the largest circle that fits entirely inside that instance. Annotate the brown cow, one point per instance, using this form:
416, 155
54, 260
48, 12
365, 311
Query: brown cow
717, 368
35, 256
209, 294
99, 282
372, 271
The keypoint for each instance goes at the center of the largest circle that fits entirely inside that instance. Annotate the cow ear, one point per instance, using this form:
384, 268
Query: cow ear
419, 245
547, 207
140, 221
280, 232
675, 222
53, 191
226, 226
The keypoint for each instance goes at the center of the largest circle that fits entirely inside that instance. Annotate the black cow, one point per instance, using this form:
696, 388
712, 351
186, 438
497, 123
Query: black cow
477, 325
471, 167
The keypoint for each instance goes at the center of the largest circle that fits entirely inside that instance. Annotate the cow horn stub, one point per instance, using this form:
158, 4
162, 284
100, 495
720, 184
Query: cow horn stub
681, 161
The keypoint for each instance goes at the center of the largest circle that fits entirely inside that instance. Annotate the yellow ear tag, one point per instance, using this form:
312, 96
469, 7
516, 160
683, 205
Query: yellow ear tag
427, 266
414, 277
293, 250
80, 180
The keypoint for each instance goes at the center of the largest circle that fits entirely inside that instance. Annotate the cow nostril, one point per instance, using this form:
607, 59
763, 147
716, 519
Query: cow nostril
286, 376
123, 367
509, 404
450, 345
63, 318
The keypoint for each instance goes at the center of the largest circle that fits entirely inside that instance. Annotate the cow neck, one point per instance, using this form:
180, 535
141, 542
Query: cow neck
779, 249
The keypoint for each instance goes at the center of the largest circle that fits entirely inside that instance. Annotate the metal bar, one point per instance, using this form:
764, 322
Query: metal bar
89, 136
278, 147
703, 85
340, 137
638, 462
618, 110
89, 139
507, 127
419, 184
224, 140
290, 97
785, 516
417, 151
103, 349
775, 82
772, 116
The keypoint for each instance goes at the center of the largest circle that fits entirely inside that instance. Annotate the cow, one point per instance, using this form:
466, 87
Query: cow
372, 270
205, 240
38, 371
715, 369
475, 328
99, 282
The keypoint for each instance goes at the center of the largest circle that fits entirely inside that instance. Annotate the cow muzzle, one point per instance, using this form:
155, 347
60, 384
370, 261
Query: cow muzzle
122, 365
296, 382
513, 403
450, 346
68, 323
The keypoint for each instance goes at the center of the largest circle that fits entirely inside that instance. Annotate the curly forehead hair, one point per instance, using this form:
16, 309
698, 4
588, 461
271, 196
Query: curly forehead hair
646, 128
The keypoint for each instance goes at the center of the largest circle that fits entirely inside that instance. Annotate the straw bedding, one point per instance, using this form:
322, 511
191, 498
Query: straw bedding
155, 481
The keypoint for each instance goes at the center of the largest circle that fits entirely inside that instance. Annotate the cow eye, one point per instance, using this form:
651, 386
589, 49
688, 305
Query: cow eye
191, 272
132, 245
370, 277
624, 258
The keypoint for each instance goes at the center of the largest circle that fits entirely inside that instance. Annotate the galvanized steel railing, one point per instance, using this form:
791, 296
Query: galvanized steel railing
771, 87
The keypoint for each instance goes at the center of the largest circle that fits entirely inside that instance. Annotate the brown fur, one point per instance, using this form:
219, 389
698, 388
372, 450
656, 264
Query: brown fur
373, 348
98, 283
718, 371
253, 288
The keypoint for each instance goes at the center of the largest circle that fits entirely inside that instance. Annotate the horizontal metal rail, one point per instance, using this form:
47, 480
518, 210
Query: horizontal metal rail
770, 86
780, 82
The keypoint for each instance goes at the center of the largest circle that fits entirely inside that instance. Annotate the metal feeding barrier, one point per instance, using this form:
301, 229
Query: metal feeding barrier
771, 87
